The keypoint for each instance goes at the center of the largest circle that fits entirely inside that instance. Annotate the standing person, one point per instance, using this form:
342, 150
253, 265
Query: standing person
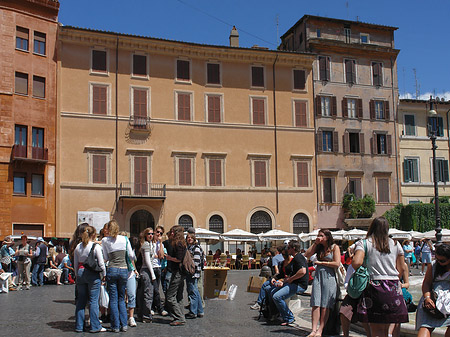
426, 249
156, 263
174, 259
40, 255
408, 250
417, 251
6, 255
115, 248
324, 287
437, 278
195, 300
382, 301
24, 254
147, 277
88, 281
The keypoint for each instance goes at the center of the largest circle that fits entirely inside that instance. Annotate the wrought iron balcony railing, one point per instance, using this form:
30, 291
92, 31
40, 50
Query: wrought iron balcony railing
142, 190
140, 123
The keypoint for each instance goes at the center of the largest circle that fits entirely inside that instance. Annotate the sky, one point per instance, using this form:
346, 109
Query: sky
422, 34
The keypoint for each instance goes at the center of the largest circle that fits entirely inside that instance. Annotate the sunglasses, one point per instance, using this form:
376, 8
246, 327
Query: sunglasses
149, 233
442, 260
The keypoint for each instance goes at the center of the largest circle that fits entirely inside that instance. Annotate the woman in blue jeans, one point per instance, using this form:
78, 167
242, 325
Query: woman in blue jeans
115, 248
88, 282
195, 300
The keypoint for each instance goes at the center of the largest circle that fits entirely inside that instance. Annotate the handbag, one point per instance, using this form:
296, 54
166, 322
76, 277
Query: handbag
433, 312
6, 260
360, 278
340, 275
130, 266
187, 264
91, 262
104, 297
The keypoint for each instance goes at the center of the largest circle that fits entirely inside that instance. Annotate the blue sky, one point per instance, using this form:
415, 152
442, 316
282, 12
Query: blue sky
422, 36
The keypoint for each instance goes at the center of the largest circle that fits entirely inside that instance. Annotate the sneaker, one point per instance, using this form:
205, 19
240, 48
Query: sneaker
190, 315
421, 273
101, 330
132, 322
164, 313
152, 312
124, 329
114, 330
200, 315
255, 306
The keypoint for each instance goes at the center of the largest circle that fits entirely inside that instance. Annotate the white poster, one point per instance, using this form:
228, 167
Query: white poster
95, 219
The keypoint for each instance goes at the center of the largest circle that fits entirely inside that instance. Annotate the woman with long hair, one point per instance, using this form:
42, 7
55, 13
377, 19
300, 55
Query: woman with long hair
156, 263
324, 287
195, 301
88, 281
145, 294
115, 247
437, 278
174, 258
381, 303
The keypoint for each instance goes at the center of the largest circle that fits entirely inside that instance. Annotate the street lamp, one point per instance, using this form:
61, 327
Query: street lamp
432, 131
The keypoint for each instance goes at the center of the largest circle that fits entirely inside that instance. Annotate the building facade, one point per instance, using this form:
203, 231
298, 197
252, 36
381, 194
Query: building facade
416, 156
28, 116
356, 97
157, 132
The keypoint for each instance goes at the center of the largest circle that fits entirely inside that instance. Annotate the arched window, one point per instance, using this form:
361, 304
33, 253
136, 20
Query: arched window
301, 223
141, 220
260, 222
216, 224
185, 221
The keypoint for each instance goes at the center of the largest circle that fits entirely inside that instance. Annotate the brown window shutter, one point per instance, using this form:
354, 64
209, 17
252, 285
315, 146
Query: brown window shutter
344, 108
375, 145
349, 71
215, 172
300, 114
319, 141
302, 174
322, 68
214, 109
184, 107
22, 32
257, 77
140, 65
361, 143
299, 79
354, 71
327, 65
372, 109
140, 102
258, 112
346, 140
334, 106
99, 169
318, 106
183, 70
335, 142
360, 108
38, 86
213, 73
389, 144
21, 83
386, 110
260, 173
184, 170
99, 100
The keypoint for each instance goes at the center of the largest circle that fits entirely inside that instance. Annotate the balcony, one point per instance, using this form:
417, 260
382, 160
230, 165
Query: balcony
142, 190
140, 123
38, 154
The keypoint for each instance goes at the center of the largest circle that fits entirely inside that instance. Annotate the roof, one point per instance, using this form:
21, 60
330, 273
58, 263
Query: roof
360, 23
426, 101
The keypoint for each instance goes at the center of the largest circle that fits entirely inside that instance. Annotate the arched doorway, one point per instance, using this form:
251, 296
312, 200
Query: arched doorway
140, 220
186, 221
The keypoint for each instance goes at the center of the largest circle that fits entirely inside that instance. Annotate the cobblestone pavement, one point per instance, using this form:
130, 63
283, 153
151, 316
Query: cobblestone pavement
49, 311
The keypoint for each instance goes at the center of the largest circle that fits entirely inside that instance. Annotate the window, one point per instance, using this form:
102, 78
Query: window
324, 68
213, 73
326, 106
383, 190
377, 74
21, 83
216, 224
327, 143
411, 170
300, 223
258, 111
379, 110
351, 108
364, 38
99, 169
215, 171
350, 71
20, 135
381, 143
353, 142
328, 190
318, 32
260, 173
300, 114
140, 175
140, 107
299, 79
436, 124
20, 183
186, 221
183, 70
348, 34
99, 99
260, 222
257, 76
38, 86
37, 143
99, 61
139, 65
442, 170
185, 171
410, 125
39, 43
37, 184
214, 108
354, 186
183, 106
22, 38
302, 173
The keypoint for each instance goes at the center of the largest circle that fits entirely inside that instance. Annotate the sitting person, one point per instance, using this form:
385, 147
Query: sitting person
52, 272
238, 258
216, 256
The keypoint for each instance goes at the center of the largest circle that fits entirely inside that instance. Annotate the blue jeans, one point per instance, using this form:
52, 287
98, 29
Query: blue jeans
88, 290
116, 281
38, 272
279, 294
195, 300
262, 293
131, 290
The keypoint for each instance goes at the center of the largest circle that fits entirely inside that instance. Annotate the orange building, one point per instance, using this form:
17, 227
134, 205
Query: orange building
28, 116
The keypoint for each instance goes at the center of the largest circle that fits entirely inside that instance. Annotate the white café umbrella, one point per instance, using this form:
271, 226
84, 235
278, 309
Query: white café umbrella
276, 234
205, 234
313, 235
415, 235
399, 234
239, 235
338, 235
304, 237
432, 235
354, 234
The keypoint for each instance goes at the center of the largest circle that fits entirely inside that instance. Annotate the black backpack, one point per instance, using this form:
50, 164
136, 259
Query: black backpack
91, 262
268, 310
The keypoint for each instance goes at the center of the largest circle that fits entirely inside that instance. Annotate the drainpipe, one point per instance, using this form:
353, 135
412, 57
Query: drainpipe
395, 113
448, 133
117, 123
275, 134
315, 139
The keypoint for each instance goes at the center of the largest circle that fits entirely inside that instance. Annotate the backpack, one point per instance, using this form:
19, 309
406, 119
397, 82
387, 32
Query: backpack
268, 310
91, 262
187, 264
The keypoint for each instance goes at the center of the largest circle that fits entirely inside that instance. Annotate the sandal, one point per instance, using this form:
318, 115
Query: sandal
312, 334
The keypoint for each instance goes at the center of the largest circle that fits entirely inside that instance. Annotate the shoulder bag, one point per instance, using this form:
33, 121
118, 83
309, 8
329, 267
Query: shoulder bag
187, 264
433, 312
91, 262
130, 266
360, 278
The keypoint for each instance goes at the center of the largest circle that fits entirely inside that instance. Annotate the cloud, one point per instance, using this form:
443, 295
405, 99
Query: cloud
426, 96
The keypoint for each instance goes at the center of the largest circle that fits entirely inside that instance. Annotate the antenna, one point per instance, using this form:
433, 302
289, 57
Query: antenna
417, 85
278, 36
346, 5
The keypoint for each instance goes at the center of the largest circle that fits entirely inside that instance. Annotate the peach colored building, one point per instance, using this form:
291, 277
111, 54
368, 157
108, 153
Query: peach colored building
158, 132
28, 116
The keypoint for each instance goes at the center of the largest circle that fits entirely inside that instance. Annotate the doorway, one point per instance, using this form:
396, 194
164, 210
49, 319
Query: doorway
141, 220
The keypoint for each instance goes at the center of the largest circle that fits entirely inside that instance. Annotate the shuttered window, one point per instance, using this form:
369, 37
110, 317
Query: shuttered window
215, 172
437, 125
383, 189
259, 116
139, 65
39, 43
140, 175
302, 174
22, 38
99, 96
350, 71
260, 173
140, 102
377, 74
213, 73
37, 184
184, 107
299, 79
214, 109
99, 169
300, 114
354, 187
99, 60
410, 125
185, 171
257, 76
21, 83
38, 86
328, 190
183, 72
442, 166
324, 68
411, 170
327, 141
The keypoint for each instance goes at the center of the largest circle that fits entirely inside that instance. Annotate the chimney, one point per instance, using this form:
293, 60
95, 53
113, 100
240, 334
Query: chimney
234, 37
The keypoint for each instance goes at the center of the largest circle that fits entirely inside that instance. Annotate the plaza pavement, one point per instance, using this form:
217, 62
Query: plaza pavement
49, 311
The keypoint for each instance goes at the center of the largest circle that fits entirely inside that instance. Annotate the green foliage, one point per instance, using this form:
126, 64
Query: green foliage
421, 217
357, 207
442, 200
393, 216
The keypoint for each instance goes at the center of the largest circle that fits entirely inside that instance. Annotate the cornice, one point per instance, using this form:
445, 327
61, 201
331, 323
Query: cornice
358, 49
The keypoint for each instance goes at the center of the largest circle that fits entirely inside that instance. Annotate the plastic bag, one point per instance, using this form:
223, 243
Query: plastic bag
232, 292
104, 297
